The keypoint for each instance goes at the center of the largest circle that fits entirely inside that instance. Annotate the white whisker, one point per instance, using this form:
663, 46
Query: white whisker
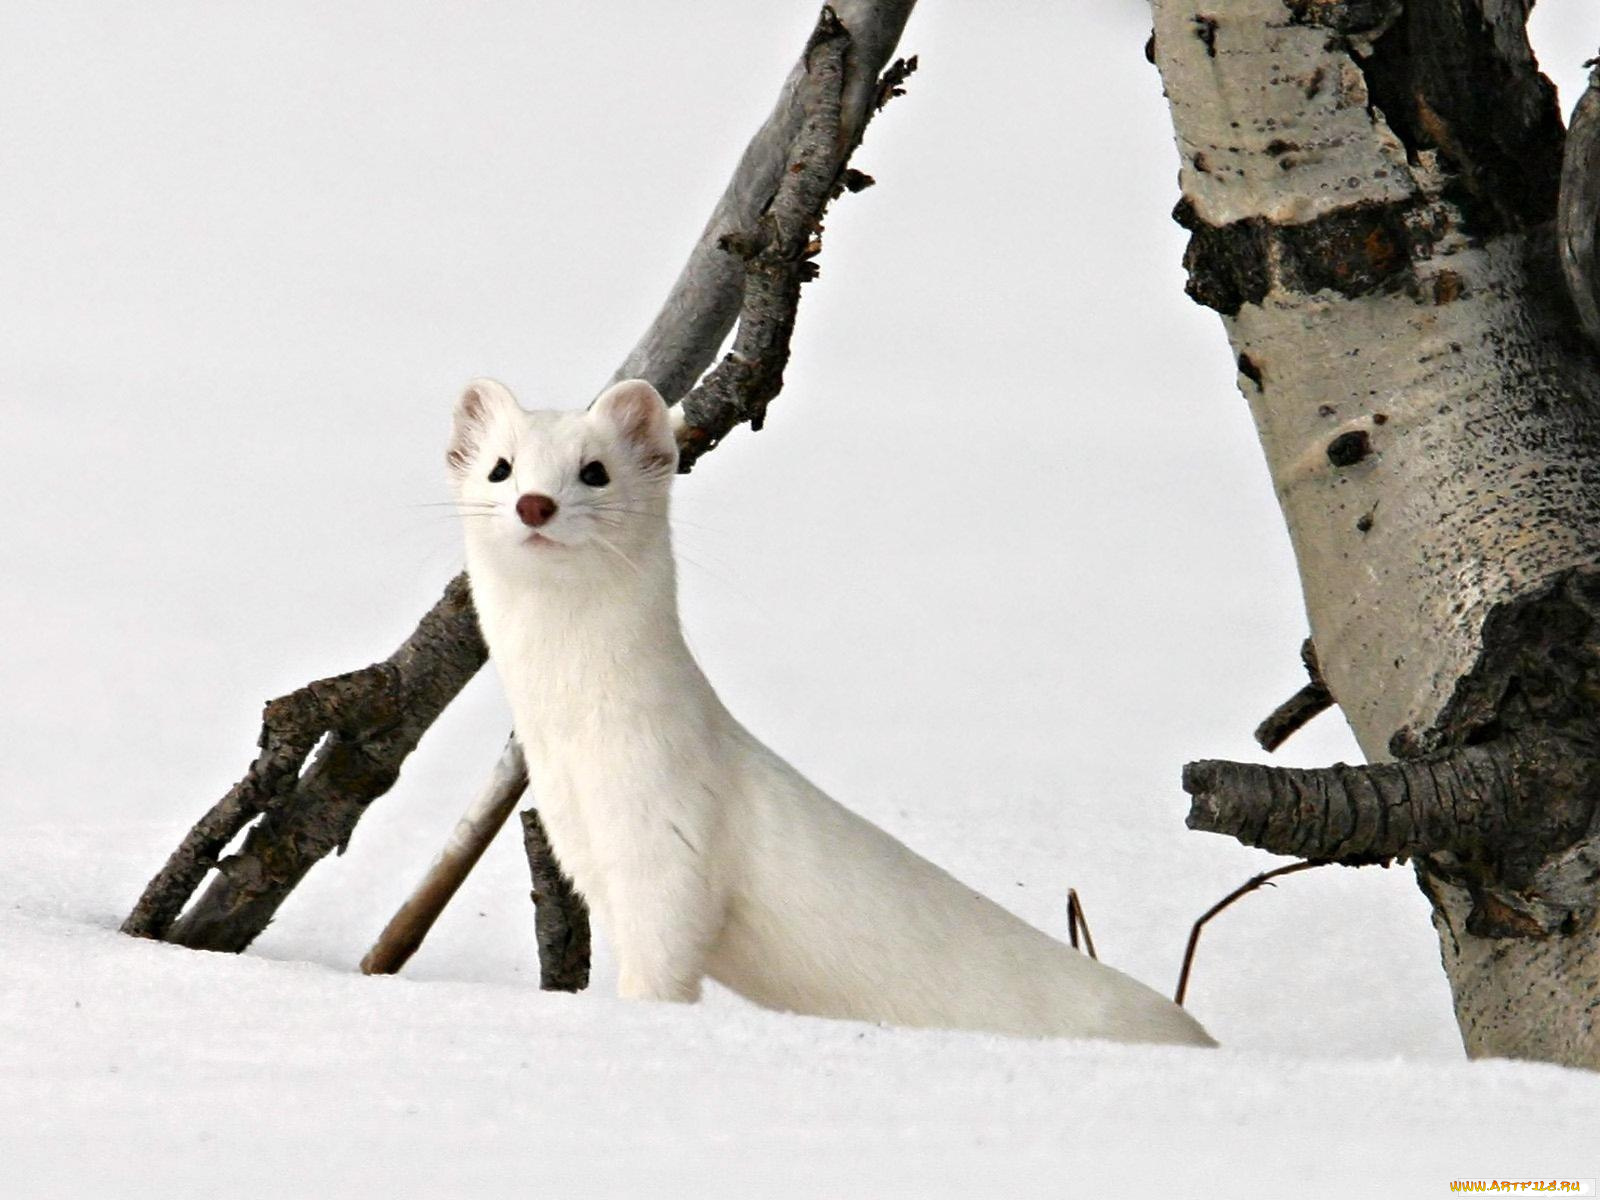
609, 546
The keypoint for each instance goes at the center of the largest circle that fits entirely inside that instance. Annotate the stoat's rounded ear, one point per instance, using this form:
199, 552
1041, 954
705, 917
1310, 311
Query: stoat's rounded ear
475, 412
638, 415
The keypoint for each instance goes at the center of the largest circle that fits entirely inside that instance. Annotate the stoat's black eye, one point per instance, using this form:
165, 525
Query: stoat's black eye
502, 470
594, 474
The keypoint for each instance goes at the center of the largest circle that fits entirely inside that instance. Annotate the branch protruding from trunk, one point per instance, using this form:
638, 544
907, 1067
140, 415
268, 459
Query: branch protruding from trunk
1310, 701
1578, 210
561, 916
1514, 802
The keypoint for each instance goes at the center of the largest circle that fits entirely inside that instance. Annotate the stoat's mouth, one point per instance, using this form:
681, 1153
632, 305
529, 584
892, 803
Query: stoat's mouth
539, 539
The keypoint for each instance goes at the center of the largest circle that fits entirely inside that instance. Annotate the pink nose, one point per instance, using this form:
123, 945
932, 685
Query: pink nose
535, 509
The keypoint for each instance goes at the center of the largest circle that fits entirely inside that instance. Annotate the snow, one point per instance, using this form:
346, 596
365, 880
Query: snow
1005, 558
134, 1069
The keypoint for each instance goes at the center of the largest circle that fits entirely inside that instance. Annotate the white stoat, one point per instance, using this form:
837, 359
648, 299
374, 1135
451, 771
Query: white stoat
701, 851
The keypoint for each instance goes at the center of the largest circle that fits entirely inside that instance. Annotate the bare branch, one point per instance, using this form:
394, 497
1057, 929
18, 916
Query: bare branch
1310, 701
1262, 880
1512, 800
305, 818
700, 310
290, 728
1578, 209
561, 918
372, 719
471, 837
779, 258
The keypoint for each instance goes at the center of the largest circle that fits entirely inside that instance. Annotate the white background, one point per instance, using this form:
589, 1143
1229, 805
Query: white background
1004, 558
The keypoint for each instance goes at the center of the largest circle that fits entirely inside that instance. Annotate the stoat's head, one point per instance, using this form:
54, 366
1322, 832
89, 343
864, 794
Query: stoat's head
558, 492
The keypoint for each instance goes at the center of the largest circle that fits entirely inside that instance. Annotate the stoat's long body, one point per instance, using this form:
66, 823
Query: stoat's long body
700, 850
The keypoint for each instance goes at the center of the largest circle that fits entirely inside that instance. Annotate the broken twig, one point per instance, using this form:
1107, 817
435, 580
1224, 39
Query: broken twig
1262, 880
1077, 921
1311, 700
471, 837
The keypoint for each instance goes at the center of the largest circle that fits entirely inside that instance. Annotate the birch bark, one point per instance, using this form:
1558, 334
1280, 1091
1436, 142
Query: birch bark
1369, 185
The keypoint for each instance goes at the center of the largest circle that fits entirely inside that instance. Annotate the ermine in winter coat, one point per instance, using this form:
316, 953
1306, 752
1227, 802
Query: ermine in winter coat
701, 851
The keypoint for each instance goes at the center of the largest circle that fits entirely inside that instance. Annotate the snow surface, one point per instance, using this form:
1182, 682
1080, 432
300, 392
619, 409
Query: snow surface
1004, 559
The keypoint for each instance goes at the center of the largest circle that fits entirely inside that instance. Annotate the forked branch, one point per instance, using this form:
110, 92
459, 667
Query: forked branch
368, 721
306, 813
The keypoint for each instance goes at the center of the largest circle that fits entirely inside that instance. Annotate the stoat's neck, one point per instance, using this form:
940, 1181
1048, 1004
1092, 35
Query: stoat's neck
593, 637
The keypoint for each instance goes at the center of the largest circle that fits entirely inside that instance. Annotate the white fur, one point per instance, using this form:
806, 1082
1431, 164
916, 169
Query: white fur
701, 851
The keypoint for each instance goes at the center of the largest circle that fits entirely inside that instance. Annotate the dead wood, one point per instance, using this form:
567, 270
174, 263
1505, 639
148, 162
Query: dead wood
561, 917
378, 715
1578, 209
1258, 881
1078, 924
367, 721
471, 837
1310, 701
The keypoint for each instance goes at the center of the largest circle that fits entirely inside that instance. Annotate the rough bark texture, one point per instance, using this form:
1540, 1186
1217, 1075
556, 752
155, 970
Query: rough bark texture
1579, 207
561, 918
1370, 187
369, 720
704, 302
779, 251
1309, 702
304, 818
1503, 810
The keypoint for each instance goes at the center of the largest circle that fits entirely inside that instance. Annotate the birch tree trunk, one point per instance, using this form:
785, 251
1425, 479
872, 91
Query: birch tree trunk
1369, 187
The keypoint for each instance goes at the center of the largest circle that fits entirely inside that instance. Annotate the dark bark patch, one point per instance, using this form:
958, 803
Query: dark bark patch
1448, 79
1205, 28
1249, 369
1538, 670
853, 180
1348, 449
1227, 264
1343, 16
1540, 665
1354, 251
